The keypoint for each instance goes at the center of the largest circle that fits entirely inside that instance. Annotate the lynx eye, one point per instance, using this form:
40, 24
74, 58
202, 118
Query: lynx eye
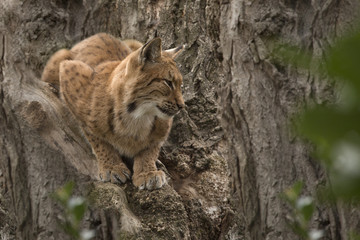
169, 83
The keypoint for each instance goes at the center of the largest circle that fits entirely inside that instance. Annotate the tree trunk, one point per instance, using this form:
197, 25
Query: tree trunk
227, 74
42, 147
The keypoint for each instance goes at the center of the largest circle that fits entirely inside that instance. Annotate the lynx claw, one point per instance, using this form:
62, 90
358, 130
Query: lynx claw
120, 177
127, 174
105, 178
117, 178
115, 175
54, 88
150, 180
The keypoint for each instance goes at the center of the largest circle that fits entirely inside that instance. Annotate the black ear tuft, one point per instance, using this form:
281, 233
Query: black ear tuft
151, 51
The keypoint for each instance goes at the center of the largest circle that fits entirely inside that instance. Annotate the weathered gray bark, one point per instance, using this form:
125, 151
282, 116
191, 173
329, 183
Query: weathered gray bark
225, 64
42, 147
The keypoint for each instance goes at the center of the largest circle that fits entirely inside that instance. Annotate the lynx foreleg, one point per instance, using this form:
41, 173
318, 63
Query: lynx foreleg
146, 175
111, 166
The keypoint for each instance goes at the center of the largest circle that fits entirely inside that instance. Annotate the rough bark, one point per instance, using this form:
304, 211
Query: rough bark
41, 144
227, 74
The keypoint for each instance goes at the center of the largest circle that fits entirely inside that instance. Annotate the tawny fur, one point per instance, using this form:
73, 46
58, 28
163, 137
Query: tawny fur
124, 95
133, 44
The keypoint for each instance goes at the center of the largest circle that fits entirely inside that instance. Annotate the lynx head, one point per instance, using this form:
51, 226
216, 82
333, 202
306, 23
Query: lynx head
153, 82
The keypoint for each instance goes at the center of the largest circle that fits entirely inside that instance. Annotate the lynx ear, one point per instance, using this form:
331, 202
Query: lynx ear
173, 52
151, 51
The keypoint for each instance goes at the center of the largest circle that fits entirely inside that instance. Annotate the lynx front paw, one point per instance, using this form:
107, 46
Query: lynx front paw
149, 180
114, 174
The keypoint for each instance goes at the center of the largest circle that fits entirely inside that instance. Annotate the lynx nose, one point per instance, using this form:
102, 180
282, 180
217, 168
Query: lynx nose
180, 102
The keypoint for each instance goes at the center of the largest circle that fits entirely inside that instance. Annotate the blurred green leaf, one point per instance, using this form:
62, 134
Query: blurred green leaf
346, 187
299, 230
87, 234
354, 236
325, 125
344, 59
285, 54
63, 194
316, 234
306, 208
74, 211
302, 211
77, 207
70, 230
293, 193
292, 54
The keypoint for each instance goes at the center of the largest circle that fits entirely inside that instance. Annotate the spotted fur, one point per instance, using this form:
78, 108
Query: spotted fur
125, 95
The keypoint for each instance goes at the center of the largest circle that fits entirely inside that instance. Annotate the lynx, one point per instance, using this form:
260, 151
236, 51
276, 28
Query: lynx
124, 95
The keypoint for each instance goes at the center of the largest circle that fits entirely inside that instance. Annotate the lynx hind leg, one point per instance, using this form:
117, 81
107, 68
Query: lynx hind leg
111, 166
51, 70
76, 87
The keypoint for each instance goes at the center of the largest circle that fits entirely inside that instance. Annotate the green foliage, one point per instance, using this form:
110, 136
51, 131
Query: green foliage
293, 55
74, 211
344, 60
334, 128
354, 236
302, 212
